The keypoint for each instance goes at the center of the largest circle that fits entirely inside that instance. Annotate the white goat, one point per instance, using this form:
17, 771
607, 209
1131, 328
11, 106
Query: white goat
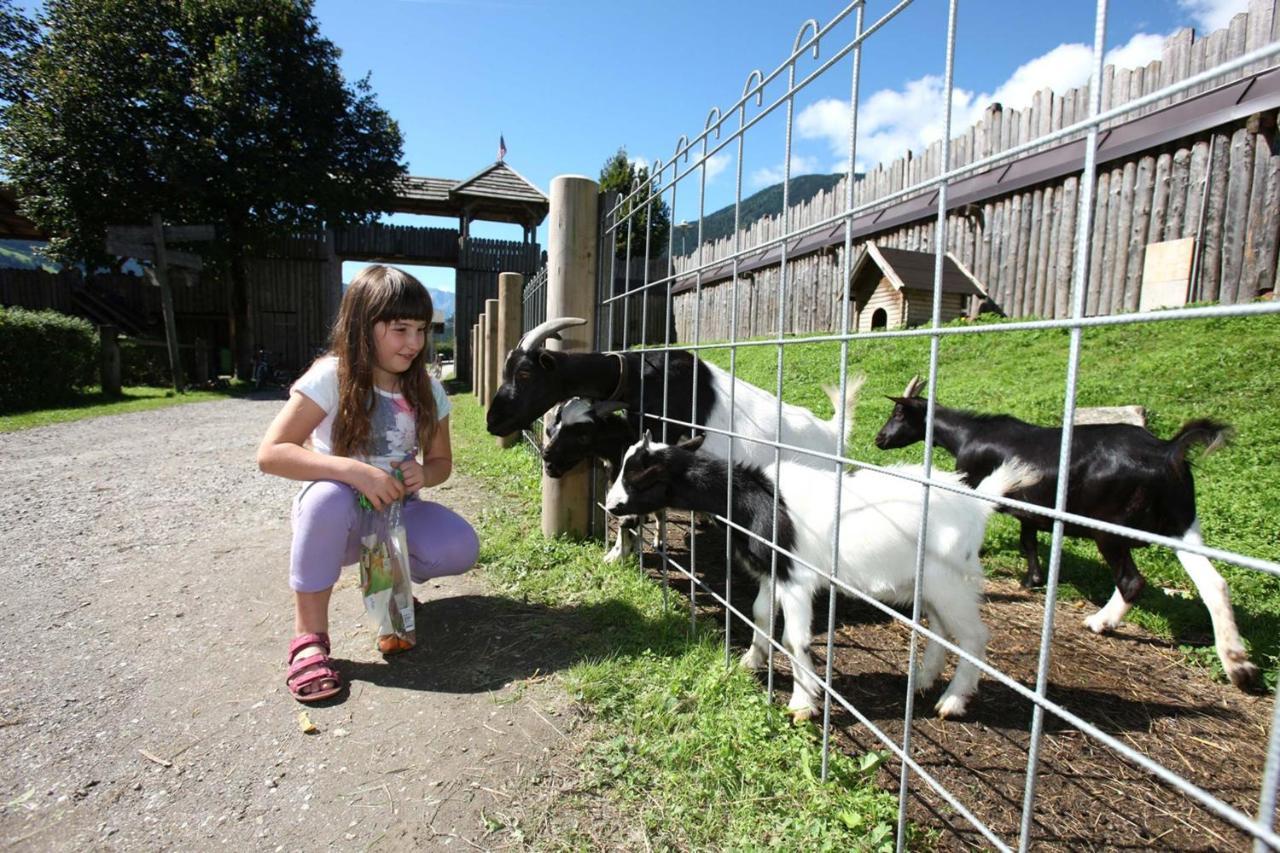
878, 525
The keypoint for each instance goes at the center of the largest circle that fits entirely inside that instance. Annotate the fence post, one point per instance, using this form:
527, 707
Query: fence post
480, 366
572, 261
109, 346
475, 359
510, 289
490, 350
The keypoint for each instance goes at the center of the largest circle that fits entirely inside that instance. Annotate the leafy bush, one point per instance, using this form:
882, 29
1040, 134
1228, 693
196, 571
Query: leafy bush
47, 357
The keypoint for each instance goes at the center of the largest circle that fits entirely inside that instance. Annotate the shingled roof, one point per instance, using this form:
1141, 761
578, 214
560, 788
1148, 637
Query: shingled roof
497, 193
908, 270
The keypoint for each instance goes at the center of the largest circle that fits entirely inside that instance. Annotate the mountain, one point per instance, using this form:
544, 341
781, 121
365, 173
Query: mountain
23, 255
441, 300
766, 202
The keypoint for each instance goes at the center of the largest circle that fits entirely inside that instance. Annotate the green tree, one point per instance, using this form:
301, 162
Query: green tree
232, 112
645, 211
16, 34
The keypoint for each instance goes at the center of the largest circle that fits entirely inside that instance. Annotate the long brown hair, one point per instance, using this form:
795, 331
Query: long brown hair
378, 294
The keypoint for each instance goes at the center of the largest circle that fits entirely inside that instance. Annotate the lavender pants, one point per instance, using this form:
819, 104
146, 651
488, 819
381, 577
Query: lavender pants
326, 537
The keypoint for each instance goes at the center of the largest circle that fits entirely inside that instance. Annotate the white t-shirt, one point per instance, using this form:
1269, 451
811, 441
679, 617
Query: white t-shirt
393, 435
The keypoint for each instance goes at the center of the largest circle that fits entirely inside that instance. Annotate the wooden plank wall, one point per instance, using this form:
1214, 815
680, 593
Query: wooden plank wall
1021, 246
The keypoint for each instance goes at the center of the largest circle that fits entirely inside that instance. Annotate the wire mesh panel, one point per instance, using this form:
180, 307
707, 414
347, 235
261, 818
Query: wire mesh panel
534, 311
1047, 216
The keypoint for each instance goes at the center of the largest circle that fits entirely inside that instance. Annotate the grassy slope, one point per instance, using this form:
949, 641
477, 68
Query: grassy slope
675, 722
1228, 369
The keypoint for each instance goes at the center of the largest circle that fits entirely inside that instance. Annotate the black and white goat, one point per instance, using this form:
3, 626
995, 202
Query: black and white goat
878, 525
1120, 474
535, 379
580, 429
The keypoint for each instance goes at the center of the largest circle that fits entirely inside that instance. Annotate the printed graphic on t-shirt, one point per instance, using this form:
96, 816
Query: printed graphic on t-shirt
392, 435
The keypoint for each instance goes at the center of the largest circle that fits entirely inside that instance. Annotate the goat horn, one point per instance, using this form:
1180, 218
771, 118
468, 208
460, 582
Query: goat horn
914, 387
608, 407
548, 329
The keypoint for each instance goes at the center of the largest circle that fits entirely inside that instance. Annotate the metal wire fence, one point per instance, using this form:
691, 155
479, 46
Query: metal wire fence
627, 285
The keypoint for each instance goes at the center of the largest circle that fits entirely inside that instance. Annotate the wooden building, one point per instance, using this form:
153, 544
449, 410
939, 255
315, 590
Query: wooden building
893, 288
295, 283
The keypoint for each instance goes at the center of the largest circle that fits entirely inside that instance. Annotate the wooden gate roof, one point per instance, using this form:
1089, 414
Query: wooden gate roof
497, 193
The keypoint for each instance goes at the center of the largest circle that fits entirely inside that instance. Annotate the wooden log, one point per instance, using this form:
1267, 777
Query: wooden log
1115, 196
1064, 266
1137, 237
1178, 177
1120, 258
1038, 254
1045, 254
1210, 270
1160, 198
1261, 242
1235, 216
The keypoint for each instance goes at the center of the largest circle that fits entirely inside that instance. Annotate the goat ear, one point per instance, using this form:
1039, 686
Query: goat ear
691, 443
545, 359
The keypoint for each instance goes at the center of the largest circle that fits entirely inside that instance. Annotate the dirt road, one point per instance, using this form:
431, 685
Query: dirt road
146, 614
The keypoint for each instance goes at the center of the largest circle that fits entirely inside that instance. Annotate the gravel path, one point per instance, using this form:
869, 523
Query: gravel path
146, 613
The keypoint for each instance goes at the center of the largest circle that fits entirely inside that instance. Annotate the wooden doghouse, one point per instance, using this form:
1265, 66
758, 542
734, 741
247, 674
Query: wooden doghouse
892, 288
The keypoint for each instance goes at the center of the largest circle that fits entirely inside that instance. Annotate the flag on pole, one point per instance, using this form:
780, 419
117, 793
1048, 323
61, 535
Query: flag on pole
502, 147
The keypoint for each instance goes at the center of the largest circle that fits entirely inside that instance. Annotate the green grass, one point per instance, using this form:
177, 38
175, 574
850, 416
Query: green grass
689, 748
1227, 369
92, 403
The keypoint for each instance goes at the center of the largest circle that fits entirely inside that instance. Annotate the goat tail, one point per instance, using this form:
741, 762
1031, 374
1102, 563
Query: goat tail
1012, 475
853, 386
1212, 434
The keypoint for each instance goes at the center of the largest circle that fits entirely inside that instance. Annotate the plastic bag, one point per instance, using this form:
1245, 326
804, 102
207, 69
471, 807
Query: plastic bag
384, 575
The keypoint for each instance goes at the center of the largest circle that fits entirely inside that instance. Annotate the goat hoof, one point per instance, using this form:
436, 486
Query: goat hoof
1098, 624
1243, 675
752, 660
613, 556
1032, 583
951, 706
800, 716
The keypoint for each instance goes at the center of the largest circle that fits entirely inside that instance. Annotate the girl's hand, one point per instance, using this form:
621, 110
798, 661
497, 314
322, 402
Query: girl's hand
378, 486
414, 477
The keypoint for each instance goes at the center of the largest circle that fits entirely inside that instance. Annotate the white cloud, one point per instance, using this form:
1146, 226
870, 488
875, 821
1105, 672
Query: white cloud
716, 164
1210, 15
1137, 51
800, 165
894, 121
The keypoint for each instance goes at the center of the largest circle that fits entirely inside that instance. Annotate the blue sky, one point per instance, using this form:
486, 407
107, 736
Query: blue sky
568, 82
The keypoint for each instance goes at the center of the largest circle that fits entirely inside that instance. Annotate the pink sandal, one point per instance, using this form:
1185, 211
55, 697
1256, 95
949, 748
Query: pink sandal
311, 672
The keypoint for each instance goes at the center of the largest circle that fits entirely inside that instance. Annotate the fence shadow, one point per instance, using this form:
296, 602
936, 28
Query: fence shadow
480, 643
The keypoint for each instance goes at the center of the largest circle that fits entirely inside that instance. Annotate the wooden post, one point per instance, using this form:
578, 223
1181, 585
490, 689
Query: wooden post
510, 290
490, 379
475, 360
571, 286
161, 273
481, 349
109, 347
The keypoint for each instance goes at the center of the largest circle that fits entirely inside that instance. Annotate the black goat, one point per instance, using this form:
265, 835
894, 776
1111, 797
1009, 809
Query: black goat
535, 379
581, 429
1120, 474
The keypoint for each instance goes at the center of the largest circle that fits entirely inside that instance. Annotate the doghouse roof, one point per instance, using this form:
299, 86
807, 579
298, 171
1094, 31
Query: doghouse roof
908, 270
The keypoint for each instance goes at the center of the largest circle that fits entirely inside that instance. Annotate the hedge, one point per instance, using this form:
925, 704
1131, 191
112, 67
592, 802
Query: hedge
46, 355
